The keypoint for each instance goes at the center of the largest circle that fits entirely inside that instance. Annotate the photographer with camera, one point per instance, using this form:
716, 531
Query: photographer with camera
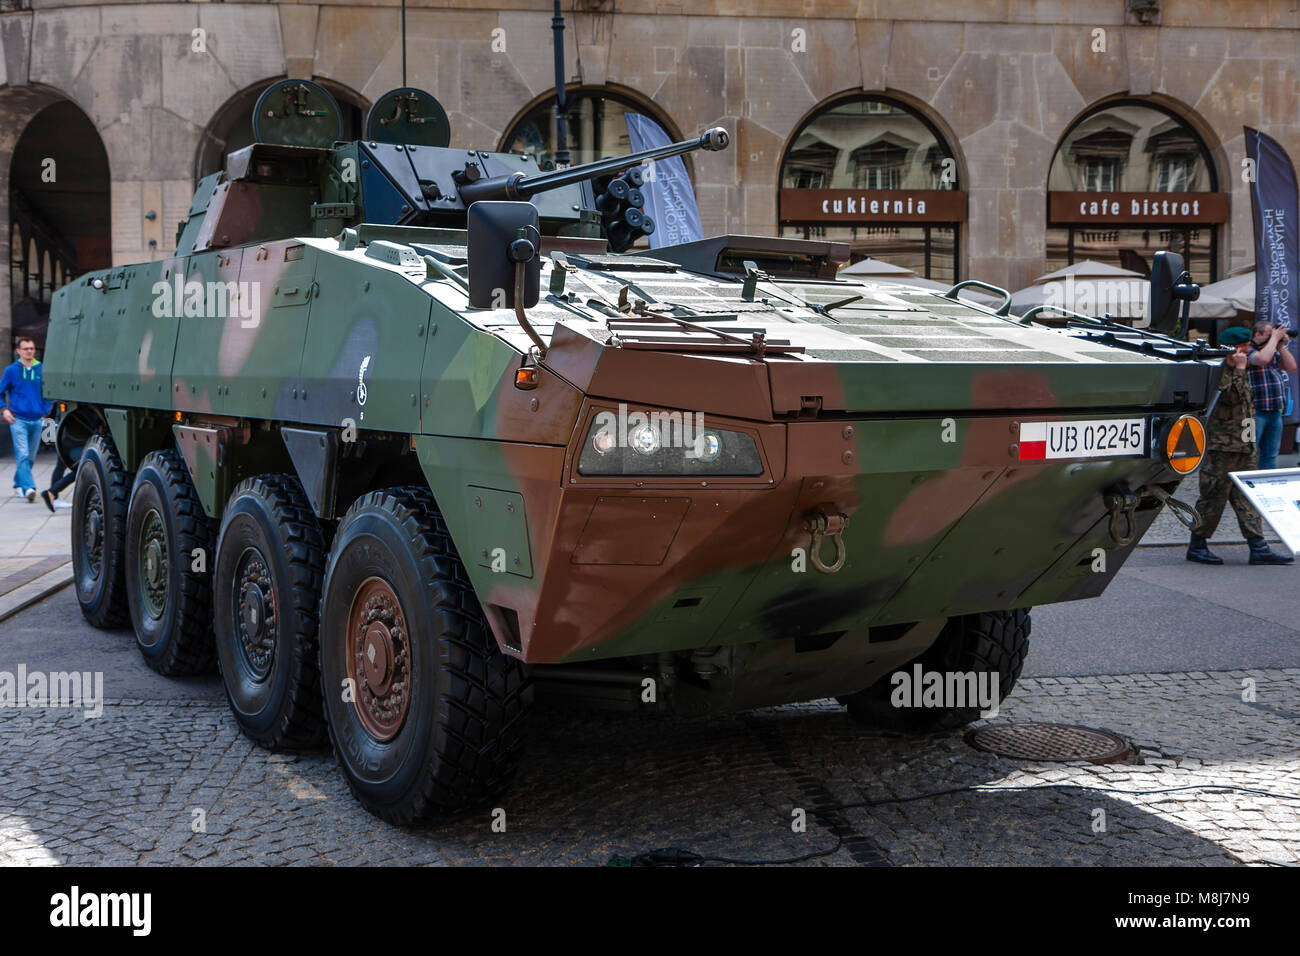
1270, 363
1230, 446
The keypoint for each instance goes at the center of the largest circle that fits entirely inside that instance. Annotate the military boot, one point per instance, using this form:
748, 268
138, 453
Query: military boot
1199, 551
1261, 553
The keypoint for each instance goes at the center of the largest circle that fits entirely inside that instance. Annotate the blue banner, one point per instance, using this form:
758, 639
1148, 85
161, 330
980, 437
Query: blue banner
1277, 243
669, 198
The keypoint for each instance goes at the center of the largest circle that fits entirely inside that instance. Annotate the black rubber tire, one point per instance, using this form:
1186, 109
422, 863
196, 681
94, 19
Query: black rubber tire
268, 526
101, 586
461, 739
991, 642
178, 642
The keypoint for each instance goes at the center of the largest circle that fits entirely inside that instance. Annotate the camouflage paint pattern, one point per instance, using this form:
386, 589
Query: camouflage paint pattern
900, 410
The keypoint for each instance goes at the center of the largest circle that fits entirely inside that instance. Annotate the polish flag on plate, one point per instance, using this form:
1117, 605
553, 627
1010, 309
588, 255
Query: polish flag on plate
1033, 441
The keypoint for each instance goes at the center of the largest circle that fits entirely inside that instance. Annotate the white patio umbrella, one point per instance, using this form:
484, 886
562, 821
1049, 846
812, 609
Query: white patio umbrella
877, 270
1096, 288
1238, 290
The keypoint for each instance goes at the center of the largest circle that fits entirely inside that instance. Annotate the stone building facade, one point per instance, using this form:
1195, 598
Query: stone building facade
158, 88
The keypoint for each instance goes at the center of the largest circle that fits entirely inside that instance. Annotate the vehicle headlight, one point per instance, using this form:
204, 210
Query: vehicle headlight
708, 446
666, 444
645, 439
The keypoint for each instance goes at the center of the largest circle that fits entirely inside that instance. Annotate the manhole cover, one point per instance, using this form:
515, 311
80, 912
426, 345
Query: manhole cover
1051, 742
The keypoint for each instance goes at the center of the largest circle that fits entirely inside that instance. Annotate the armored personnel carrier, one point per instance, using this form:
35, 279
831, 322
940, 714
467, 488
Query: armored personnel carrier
402, 435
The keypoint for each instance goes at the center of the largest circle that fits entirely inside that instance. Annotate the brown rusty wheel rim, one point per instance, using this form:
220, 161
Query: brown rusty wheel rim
379, 659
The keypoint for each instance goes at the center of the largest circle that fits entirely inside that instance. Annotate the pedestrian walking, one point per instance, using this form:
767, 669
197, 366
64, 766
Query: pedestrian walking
20, 390
60, 478
1270, 363
1230, 446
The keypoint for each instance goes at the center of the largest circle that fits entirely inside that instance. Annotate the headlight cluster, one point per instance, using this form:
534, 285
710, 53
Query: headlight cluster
665, 443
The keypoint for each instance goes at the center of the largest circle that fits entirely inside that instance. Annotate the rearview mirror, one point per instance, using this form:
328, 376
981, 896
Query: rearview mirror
1171, 285
496, 247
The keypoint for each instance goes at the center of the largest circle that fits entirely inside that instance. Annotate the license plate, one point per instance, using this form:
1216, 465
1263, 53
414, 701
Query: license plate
1115, 438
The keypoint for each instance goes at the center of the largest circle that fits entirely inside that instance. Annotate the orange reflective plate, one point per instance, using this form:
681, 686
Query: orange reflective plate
1185, 444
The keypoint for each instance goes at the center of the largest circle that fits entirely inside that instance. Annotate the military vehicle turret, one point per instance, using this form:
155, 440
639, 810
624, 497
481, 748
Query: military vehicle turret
399, 439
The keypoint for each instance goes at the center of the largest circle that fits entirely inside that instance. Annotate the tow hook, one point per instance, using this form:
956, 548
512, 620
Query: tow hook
825, 526
1121, 504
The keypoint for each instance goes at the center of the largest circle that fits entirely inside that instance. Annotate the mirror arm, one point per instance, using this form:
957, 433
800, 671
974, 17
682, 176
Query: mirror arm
520, 315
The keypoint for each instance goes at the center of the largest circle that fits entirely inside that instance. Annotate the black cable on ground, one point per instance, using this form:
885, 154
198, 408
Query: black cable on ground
678, 857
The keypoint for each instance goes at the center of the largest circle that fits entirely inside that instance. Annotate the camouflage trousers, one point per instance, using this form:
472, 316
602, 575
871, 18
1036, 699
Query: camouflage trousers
1217, 490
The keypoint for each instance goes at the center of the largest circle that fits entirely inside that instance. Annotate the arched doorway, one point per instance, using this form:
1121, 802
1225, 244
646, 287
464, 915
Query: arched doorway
59, 214
597, 126
1130, 178
872, 171
231, 126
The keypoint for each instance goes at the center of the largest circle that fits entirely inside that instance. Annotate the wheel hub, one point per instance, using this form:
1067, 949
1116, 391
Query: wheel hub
152, 552
153, 563
255, 613
92, 532
379, 659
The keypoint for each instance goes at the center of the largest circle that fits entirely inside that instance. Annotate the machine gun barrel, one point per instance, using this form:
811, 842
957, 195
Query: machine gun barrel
518, 186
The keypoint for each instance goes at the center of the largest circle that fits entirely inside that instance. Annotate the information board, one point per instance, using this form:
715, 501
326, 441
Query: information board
1276, 496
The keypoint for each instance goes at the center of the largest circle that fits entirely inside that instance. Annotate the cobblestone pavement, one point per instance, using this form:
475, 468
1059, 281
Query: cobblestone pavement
131, 786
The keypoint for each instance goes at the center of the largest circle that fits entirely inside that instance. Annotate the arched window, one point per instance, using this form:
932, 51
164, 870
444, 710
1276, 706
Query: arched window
231, 126
596, 127
1129, 179
875, 173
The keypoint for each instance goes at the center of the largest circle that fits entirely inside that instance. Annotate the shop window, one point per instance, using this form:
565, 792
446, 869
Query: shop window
1128, 180
1100, 175
845, 156
878, 166
810, 167
596, 128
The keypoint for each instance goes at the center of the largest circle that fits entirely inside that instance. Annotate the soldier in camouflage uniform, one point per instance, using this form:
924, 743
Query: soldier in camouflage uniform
1231, 446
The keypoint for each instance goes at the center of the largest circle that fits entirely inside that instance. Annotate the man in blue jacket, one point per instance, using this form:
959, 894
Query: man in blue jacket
20, 391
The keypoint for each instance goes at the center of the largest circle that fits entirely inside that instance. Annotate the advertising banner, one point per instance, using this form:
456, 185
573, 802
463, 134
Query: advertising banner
669, 198
1277, 246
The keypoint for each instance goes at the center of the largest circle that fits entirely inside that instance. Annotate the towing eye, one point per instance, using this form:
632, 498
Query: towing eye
825, 526
1122, 503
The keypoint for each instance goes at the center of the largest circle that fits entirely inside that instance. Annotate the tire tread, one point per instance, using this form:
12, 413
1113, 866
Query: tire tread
192, 651
114, 611
990, 642
301, 723
479, 723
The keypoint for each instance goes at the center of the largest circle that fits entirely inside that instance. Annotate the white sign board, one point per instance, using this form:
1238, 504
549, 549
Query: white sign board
1276, 496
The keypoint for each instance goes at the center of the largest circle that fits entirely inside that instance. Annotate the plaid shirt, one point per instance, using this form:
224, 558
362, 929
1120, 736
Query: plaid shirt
1269, 383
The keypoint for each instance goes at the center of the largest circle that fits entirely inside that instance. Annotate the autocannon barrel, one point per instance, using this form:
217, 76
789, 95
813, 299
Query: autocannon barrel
518, 186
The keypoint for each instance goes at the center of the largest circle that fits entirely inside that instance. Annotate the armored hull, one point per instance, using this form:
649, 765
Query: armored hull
708, 477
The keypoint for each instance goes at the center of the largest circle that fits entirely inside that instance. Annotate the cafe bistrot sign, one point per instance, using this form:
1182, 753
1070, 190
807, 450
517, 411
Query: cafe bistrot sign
1156, 208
